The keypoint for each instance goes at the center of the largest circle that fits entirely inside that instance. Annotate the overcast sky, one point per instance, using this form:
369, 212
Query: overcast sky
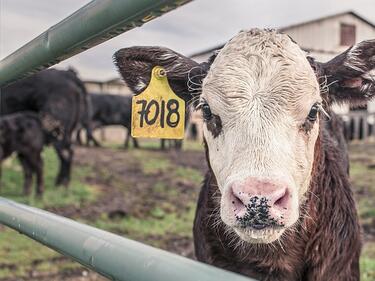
194, 27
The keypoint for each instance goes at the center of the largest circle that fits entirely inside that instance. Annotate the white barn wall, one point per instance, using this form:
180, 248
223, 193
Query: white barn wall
324, 38
324, 35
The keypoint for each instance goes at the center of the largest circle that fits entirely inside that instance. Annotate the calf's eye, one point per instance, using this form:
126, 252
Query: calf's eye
313, 114
207, 114
311, 117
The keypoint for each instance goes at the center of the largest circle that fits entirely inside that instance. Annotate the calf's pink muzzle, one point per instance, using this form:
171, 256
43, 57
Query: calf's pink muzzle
260, 203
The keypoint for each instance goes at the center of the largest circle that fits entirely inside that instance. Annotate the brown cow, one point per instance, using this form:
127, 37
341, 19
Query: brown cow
276, 203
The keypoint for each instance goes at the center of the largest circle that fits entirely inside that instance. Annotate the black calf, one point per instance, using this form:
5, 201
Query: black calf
22, 133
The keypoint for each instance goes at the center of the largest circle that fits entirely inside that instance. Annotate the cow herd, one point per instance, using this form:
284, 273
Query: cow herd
53, 107
58, 99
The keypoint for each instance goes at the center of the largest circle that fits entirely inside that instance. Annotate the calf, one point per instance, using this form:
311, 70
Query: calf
276, 203
59, 98
23, 134
108, 109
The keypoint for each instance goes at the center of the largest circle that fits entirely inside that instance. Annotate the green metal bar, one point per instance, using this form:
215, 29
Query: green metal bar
112, 256
91, 25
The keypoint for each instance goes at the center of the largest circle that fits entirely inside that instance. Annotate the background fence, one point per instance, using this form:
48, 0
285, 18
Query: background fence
359, 126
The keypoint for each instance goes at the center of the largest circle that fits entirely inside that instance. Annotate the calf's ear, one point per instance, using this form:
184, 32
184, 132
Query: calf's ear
350, 76
136, 63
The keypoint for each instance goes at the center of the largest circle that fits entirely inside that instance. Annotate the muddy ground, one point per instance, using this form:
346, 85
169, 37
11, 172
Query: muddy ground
116, 174
131, 187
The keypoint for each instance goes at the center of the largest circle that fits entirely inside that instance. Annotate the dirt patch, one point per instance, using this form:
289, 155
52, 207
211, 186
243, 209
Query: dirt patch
67, 275
77, 274
111, 202
362, 175
190, 159
126, 189
130, 189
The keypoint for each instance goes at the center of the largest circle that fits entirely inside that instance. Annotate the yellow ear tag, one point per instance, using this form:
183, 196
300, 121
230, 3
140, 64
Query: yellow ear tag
158, 112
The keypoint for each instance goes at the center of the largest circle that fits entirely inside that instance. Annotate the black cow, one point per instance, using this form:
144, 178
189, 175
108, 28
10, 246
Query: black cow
23, 133
85, 123
60, 99
108, 109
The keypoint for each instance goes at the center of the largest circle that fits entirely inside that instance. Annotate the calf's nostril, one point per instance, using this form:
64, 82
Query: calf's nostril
282, 201
237, 202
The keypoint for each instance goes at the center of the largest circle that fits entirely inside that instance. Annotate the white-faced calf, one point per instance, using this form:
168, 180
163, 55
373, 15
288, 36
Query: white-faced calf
276, 203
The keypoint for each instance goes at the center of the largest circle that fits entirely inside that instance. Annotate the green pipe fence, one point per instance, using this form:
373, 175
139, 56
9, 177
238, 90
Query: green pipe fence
112, 256
98, 21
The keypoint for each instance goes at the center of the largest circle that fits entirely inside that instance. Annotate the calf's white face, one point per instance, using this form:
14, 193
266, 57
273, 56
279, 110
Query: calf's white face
256, 100
260, 99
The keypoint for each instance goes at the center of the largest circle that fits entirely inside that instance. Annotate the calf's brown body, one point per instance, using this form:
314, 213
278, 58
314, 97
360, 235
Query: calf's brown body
325, 244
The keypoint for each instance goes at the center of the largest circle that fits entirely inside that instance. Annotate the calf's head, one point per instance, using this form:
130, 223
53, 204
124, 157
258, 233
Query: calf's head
262, 102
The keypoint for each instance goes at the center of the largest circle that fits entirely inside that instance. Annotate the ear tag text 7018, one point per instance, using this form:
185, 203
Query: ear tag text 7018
158, 112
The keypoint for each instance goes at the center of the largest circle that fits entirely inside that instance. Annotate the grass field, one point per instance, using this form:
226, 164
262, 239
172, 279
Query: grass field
146, 195
362, 172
